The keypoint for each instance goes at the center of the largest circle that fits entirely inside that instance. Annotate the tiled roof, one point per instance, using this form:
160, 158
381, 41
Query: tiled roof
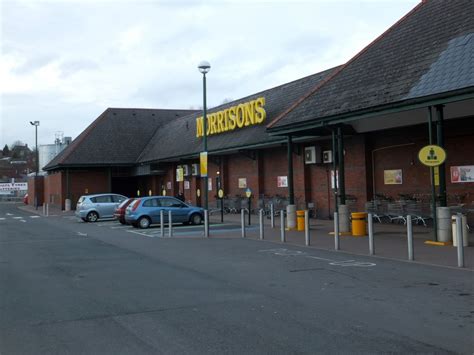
178, 138
116, 137
430, 51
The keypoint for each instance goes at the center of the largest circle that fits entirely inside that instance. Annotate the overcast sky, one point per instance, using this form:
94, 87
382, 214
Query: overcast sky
64, 62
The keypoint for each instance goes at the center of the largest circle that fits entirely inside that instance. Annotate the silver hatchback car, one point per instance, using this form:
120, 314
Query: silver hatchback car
92, 207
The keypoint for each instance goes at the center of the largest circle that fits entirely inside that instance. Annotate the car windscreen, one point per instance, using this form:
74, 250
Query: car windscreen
81, 199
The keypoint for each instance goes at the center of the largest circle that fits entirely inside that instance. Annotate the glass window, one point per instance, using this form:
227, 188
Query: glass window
118, 198
167, 202
153, 202
103, 199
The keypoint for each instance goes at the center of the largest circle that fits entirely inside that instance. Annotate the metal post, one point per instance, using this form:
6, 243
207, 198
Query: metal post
162, 223
204, 134
340, 152
206, 224
222, 210
307, 237
44, 209
272, 216
433, 187
291, 194
282, 226
334, 168
460, 240
410, 238
47, 210
242, 220
170, 225
260, 221
250, 208
440, 141
336, 231
371, 234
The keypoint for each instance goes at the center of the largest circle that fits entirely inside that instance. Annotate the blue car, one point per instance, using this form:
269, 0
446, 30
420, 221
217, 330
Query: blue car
146, 211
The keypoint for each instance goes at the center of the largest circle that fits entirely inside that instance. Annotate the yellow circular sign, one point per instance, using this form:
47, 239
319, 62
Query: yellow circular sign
220, 193
163, 192
248, 193
432, 155
198, 192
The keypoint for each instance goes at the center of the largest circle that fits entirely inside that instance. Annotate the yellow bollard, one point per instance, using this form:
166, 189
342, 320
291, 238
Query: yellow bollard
359, 226
300, 221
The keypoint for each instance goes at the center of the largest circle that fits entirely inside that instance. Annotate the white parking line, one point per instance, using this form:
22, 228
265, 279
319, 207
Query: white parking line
2, 218
22, 220
120, 227
35, 216
17, 217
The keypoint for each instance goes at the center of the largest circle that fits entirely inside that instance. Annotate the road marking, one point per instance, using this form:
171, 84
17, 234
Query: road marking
9, 214
2, 219
22, 220
82, 234
342, 263
120, 227
17, 217
35, 217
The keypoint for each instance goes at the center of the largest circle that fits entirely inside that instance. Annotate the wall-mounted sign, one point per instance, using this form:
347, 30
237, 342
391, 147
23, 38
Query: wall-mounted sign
203, 164
462, 173
16, 186
242, 183
209, 183
168, 185
163, 193
179, 174
282, 181
241, 115
186, 185
432, 155
220, 193
198, 192
393, 177
248, 193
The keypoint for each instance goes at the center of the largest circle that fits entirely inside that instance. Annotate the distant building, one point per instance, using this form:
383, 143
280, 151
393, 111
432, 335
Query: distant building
47, 152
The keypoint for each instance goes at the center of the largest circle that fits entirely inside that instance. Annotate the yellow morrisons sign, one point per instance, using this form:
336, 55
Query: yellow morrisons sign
241, 115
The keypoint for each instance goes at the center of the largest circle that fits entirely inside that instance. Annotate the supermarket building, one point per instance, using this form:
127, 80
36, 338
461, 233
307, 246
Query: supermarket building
366, 119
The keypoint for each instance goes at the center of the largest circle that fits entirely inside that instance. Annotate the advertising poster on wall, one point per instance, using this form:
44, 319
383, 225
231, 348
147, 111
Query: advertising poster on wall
209, 184
282, 181
203, 163
393, 177
179, 174
242, 183
186, 185
460, 174
168, 185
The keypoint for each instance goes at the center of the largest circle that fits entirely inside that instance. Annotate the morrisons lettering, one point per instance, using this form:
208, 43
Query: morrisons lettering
243, 115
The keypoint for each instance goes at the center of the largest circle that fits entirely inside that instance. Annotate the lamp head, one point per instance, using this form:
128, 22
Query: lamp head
204, 67
35, 123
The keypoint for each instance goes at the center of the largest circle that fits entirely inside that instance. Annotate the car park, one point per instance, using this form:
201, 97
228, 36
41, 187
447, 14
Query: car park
90, 208
119, 212
146, 211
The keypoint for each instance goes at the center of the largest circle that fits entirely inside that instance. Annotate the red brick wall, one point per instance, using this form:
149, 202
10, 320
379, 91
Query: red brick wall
87, 182
54, 189
35, 184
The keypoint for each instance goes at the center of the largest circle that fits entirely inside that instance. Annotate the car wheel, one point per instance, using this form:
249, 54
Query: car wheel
122, 221
195, 219
144, 222
92, 217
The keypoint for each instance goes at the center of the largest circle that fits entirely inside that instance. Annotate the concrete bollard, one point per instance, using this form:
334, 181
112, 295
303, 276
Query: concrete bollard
410, 238
242, 220
47, 210
170, 225
67, 204
444, 224
260, 221
162, 223
282, 226
460, 237
307, 237
371, 234
344, 222
336, 231
44, 209
206, 224
272, 216
291, 216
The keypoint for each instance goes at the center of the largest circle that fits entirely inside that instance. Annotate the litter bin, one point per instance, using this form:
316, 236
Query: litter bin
359, 224
455, 231
300, 220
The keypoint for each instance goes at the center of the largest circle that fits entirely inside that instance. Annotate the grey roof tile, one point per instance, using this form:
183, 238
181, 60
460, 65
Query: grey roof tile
430, 51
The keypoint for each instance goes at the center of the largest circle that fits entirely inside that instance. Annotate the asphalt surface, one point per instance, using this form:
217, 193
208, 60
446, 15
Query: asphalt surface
68, 287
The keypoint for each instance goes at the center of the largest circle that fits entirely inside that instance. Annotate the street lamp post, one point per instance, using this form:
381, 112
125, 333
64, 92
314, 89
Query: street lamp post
204, 68
36, 124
